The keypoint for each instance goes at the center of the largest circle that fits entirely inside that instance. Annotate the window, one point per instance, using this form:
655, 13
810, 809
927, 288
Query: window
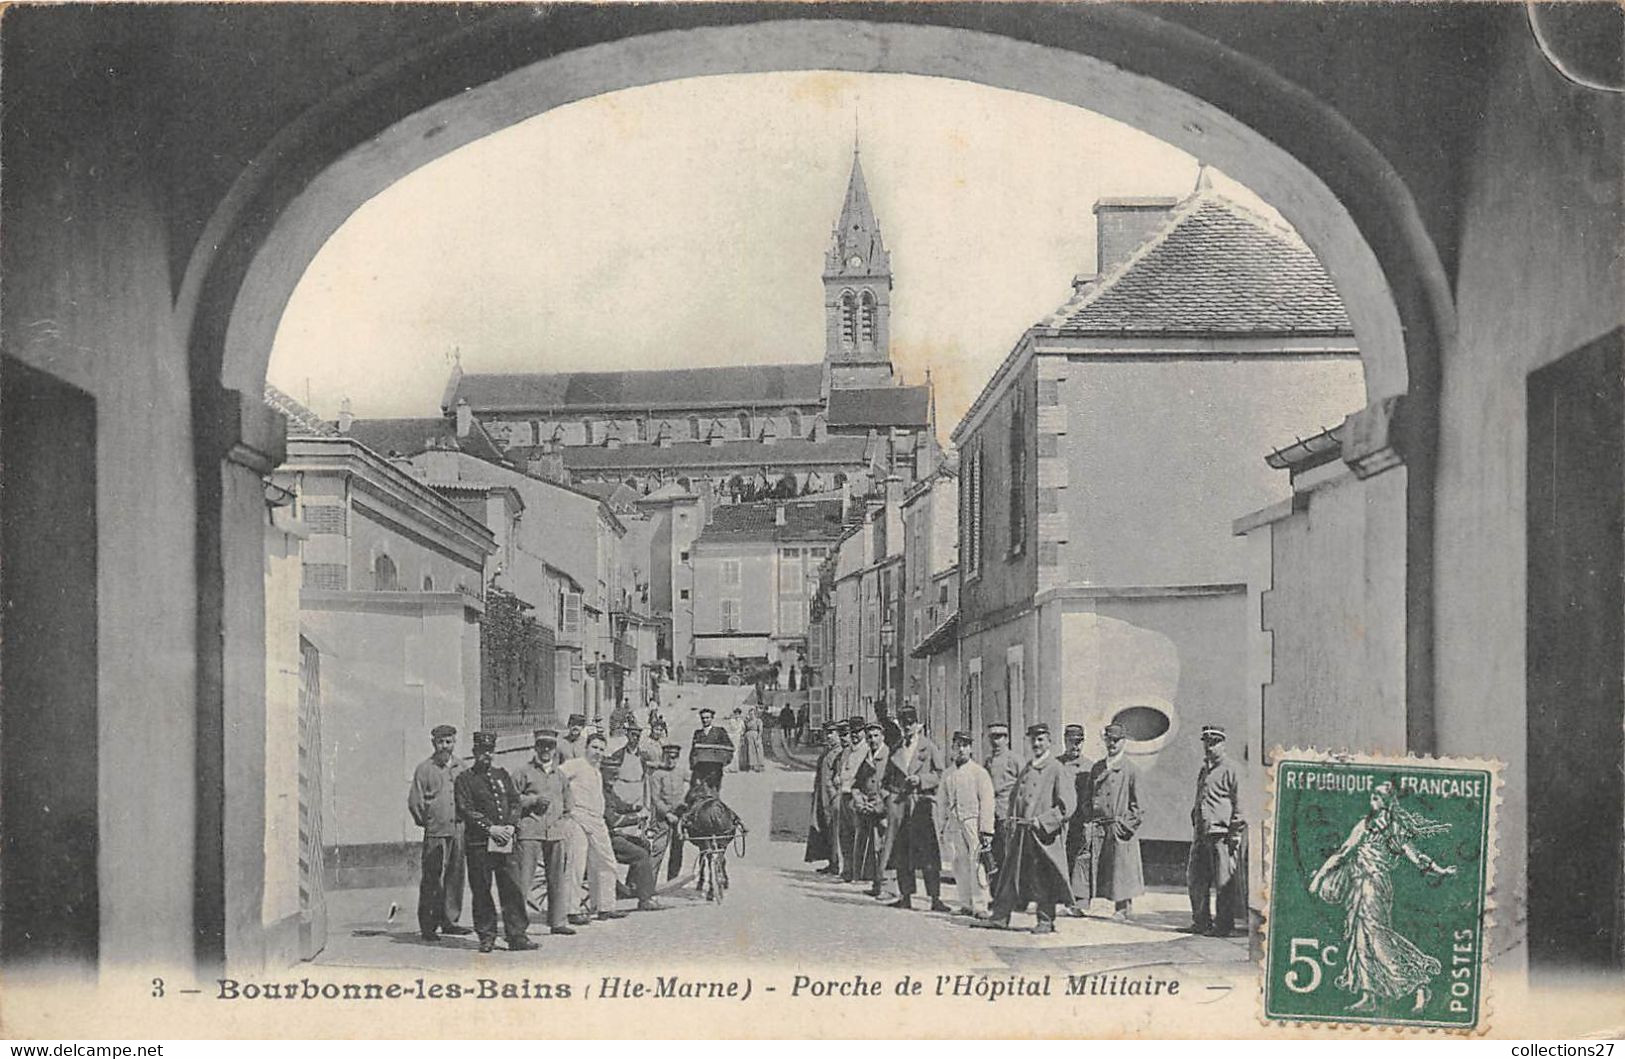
730, 615
428, 583
586, 427
792, 617
971, 521
973, 695
682, 593
790, 574
1018, 475
570, 613
866, 321
578, 671
730, 571
849, 318
384, 577
682, 557
694, 428
1015, 684
794, 417
744, 424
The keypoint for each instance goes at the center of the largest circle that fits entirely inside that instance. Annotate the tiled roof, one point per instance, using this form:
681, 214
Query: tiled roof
880, 407
727, 387
408, 437
818, 520
302, 422
1213, 268
790, 451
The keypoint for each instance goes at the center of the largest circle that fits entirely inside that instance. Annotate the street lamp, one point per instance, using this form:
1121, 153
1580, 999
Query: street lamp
887, 637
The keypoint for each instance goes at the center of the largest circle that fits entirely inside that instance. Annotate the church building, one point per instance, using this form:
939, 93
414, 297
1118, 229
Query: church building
739, 432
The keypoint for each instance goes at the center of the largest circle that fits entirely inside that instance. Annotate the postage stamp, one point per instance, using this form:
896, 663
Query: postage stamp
1378, 872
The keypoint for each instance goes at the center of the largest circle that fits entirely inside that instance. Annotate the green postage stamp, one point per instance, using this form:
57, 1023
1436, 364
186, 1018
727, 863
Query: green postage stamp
1378, 873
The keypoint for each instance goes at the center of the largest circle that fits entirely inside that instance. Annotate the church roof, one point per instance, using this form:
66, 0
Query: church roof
879, 407
817, 520
642, 391
1213, 268
786, 452
408, 437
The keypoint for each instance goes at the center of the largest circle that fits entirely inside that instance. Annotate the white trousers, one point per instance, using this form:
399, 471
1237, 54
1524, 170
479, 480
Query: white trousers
589, 860
969, 874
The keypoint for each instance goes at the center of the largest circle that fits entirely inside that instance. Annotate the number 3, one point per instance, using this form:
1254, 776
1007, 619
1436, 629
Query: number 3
158, 987
1296, 957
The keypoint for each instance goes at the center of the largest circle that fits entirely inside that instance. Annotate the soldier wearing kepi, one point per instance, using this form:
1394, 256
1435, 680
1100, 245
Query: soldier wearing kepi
488, 804
544, 799
919, 762
847, 825
1003, 765
1077, 845
1112, 818
1035, 868
575, 738
432, 801
822, 843
1218, 843
967, 808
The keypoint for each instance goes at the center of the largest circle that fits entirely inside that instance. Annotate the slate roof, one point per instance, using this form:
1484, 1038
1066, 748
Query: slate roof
879, 407
1213, 268
302, 422
727, 387
408, 437
818, 520
786, 452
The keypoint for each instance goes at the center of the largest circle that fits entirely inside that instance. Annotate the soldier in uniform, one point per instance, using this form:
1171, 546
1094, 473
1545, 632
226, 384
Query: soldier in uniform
822, 843
1112, 818
488, 805
544, 800
967, 808
668, 790
870, 804
1003, 765
432, 802
628, 767
1218, 843
1077, 846
575, 738
919, 773
846, 772
1035, 867
711, 751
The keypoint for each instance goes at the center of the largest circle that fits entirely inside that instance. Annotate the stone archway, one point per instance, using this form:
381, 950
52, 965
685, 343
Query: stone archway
1234, 112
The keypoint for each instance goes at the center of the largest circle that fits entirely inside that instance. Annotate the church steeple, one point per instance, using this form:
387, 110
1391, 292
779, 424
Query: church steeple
857, 293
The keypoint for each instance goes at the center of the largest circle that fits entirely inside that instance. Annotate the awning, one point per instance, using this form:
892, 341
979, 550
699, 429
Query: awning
939, 639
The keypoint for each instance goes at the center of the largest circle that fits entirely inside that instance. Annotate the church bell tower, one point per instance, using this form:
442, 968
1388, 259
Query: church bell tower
857, 295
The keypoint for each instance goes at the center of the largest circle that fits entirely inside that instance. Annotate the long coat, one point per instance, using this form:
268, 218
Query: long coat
1045, 795
826, 803
1114, 816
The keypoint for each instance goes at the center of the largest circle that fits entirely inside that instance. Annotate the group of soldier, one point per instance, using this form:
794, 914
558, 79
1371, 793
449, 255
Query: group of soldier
549, 836
1055, 831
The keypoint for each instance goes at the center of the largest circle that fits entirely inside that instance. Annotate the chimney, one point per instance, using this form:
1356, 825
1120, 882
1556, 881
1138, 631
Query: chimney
1122, 226
346, 417
465, 417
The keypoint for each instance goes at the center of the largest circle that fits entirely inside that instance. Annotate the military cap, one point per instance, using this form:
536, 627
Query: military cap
578, 720
441, 730
1037, 729
1212, 733
963, 738
998, 728
1116, 731
484, 741
907, 715
874, 726
671, 748
831, 726
632, 726
545, 735
1072, 730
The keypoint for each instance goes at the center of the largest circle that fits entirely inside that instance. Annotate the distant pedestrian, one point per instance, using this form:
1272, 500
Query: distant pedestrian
1217, 863
1034, 868
488, 804
787, 725
432, 801
1113, 817
802, 718
967, 810
753, 757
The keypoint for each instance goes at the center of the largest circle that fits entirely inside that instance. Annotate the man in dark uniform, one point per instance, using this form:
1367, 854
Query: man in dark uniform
847, 825
1003, 766
712, 749
1077, 845
919, 764
433, 805
1112, 819
629, 838
1218, 842
1035, 864
488, 805
870, 801
822, 843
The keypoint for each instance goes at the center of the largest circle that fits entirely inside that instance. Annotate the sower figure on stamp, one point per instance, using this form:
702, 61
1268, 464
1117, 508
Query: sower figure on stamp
822, 843
1003, 765
1078, 855
919, 763
967, 808
1218, 843
432, 801
1035, 867
1112, 819
488, 804
544, 802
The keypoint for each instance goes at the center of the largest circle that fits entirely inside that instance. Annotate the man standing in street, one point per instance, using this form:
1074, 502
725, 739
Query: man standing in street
1003, 766
432, 801
787, 725
847, 824
629, 767
1112, 820
967, 806
574, 740
1218, 844
590, 854
919, 762
711, 750
822, 843
544, 801
488, 805
1034, 868
876, 776
1077, 844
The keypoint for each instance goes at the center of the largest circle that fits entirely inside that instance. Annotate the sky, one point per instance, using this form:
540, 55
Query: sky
685, 223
